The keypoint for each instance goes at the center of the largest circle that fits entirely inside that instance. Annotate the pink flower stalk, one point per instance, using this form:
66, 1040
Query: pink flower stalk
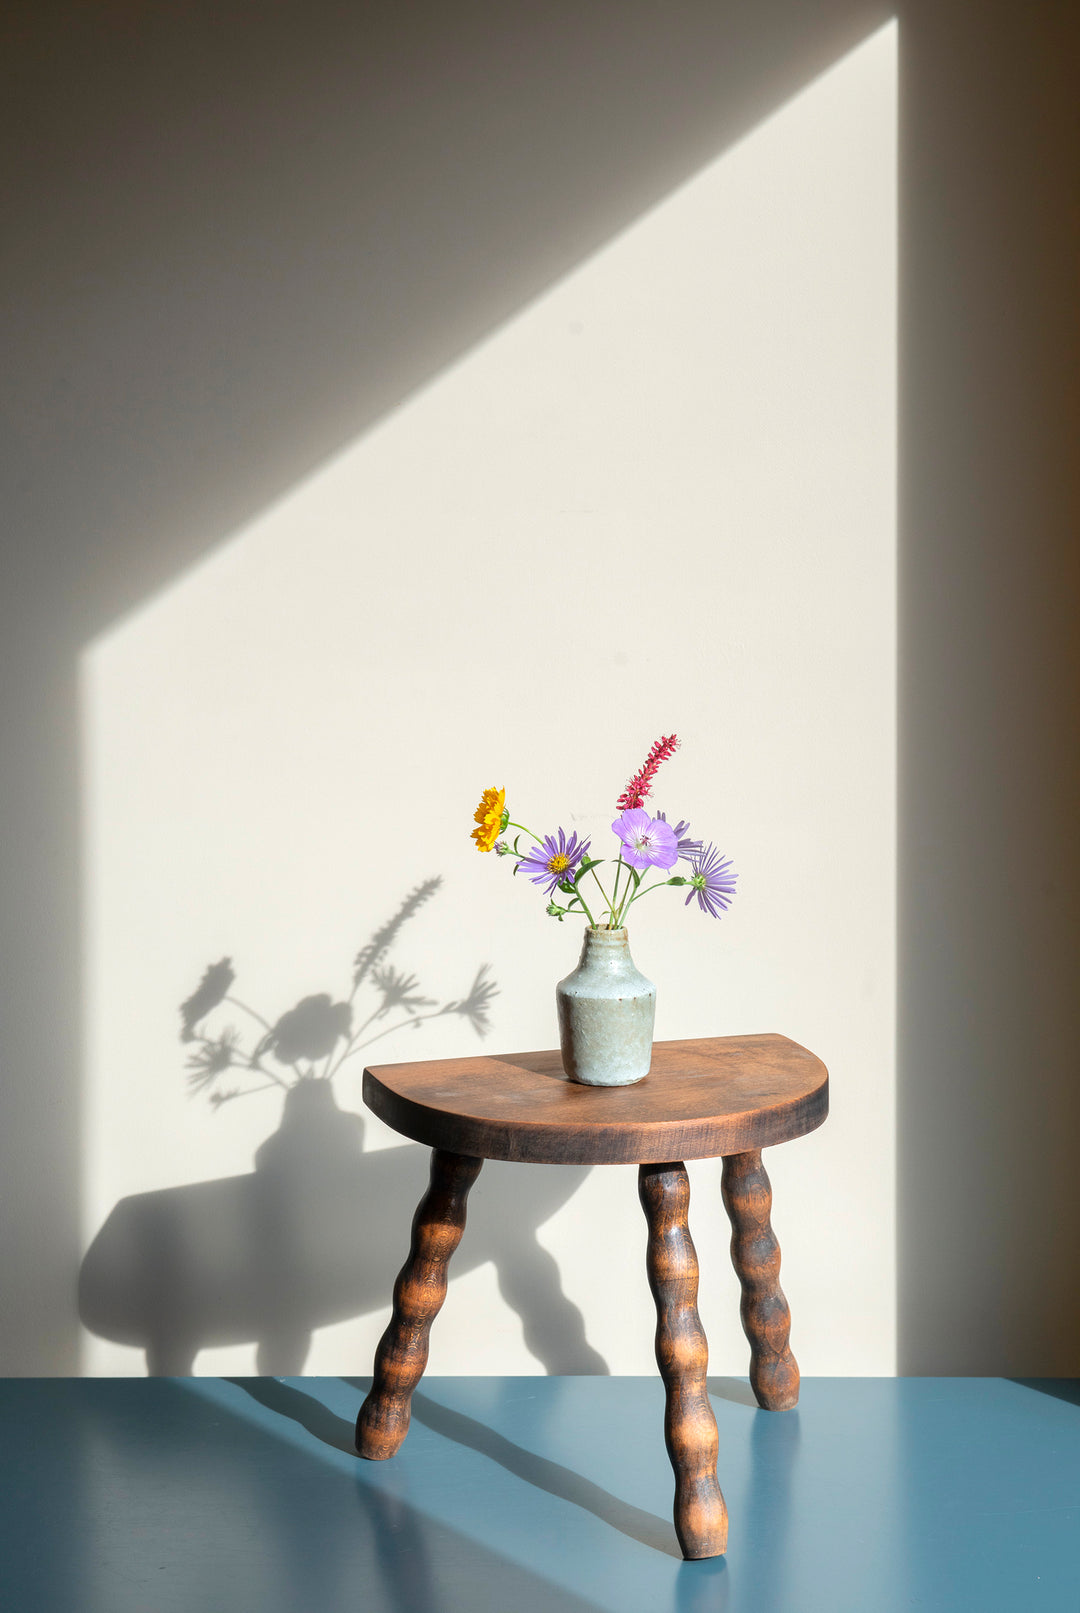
640, 785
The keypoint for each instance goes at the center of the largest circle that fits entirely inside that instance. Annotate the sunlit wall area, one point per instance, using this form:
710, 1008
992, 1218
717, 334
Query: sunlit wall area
661, 498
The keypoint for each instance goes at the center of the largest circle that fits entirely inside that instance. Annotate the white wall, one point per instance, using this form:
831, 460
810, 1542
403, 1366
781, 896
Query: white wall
662, 497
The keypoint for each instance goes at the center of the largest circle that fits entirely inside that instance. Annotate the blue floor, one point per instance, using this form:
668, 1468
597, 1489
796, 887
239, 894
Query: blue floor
513, 1495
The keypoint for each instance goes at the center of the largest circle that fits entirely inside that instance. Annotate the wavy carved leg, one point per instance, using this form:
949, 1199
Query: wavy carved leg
418, 1295
682, 1355
755, 1254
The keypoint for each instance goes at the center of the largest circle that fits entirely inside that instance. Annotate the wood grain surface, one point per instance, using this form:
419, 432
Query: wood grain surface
702, 1098
682, 1356
755, 1254
418, 1296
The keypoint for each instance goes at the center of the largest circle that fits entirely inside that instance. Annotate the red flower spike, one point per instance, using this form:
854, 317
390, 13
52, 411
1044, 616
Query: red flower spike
641, 784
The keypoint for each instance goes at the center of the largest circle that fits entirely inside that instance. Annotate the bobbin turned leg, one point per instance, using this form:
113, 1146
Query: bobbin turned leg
418, 1295
755, 1254
682, 1355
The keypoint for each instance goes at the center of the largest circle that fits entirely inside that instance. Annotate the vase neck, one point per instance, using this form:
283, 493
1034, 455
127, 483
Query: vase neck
605, 947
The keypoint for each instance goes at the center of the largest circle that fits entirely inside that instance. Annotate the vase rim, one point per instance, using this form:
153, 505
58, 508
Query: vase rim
601, 932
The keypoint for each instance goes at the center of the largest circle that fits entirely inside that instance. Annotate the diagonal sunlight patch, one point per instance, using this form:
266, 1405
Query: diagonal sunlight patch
662, 497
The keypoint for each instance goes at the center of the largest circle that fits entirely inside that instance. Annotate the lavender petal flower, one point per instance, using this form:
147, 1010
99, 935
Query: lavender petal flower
647, 842
556, 858
687, 848
712, 882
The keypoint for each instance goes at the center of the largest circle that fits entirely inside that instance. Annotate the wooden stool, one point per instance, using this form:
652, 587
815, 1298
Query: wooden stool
729, 1096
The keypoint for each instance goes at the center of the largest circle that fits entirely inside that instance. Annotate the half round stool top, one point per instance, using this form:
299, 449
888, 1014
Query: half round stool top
702, 1098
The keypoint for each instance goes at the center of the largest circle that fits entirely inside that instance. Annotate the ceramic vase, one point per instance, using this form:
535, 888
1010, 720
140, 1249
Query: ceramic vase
606, 1011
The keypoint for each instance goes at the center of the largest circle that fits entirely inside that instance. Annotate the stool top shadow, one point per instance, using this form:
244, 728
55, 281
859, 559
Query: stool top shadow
705, 1097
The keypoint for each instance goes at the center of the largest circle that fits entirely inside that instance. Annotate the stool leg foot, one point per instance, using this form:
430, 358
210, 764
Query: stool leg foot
418, 1295
755, 1254
682, 1355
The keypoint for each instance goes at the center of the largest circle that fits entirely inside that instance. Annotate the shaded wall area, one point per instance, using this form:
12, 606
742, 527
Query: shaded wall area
989, 1096
234, 236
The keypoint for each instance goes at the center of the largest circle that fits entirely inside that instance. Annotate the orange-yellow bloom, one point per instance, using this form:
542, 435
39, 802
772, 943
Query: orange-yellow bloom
489, 817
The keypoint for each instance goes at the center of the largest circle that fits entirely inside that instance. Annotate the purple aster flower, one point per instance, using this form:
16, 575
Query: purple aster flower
712, 882
554, 859
687, 848
646, 842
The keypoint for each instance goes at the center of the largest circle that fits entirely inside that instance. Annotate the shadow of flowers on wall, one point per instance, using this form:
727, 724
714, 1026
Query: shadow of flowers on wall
316, 1233
316, 1037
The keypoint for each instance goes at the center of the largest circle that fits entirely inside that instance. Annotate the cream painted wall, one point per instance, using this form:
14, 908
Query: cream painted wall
662, 497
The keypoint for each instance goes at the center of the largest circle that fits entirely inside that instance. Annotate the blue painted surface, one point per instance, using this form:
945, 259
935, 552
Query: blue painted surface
517, 1495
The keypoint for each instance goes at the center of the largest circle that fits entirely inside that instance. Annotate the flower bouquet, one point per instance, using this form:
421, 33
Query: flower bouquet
606, 1008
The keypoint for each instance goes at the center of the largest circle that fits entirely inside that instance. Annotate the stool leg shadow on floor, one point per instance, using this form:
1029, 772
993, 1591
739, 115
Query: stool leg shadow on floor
319, 1421
541, 1472
735, 1390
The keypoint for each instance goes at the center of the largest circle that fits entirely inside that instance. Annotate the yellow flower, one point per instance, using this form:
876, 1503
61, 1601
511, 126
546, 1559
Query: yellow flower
489, 815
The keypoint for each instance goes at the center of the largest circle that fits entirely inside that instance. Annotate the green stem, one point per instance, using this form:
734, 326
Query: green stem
619, 866
628, 897
510, 824
603, 892
640, 893
592, 922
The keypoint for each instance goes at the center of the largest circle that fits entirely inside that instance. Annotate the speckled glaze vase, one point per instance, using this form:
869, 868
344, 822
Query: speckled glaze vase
606, 1010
